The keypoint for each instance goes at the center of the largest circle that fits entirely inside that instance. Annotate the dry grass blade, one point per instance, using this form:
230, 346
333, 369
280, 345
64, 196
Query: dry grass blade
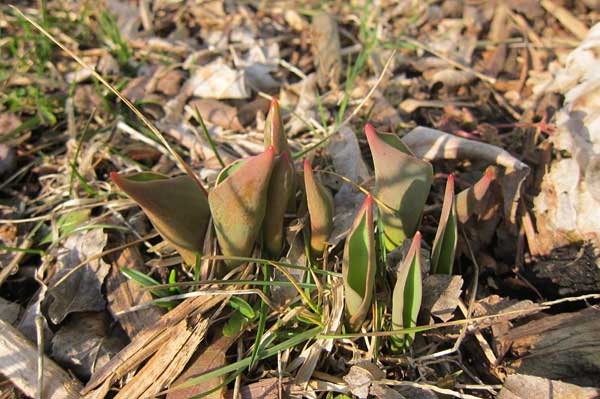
185, 167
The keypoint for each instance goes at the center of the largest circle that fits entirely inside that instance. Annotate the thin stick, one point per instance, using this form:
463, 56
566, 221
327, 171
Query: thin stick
116, 92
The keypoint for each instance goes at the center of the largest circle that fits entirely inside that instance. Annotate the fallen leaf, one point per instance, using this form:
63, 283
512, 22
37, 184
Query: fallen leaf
347, 160
326, 49
83, 343
218, 80
361, 376
217, 113
519, 386
267, 388
81, 291
441, 294
9, 311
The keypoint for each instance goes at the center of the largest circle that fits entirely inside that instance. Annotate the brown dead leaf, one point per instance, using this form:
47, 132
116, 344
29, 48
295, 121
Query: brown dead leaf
81, 291
217, 113
267, 388
361, 376
211, 358
441, 294
169, 83
326, 49
519, 386
84, 343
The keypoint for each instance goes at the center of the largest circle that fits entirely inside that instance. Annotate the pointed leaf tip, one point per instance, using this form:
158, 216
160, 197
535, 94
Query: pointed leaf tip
238, 204
180, 219
402, 182
359, 265
320, 209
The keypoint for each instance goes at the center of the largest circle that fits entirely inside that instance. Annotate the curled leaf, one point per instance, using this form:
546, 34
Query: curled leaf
238, 204
444, 244
468, 200
281, 191
274, 135
408, 292
176, 206
403, 183
359, 265
320, 210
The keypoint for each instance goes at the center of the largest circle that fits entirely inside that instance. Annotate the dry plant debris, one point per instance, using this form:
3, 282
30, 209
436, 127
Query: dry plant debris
469, 271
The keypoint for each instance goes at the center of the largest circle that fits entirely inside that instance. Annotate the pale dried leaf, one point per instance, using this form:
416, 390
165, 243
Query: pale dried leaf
218, 80
361, 376
347, 161
82, 291
432, 144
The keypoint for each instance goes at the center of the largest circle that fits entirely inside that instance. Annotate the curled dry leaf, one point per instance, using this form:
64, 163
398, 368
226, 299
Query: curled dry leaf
432, 144
81, 291
359, 265
180, 219
238, 204
320, 210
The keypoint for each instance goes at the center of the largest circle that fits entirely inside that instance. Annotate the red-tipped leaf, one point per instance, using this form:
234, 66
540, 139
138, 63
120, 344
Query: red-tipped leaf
359, 266
177, 207
403, 184
320, 210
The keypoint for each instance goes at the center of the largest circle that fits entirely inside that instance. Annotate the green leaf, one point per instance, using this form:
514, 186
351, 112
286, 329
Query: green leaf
292, 342
67, 223
145, 281
403, 183
238, 204
467, 201
407, 294
244, 307
359, 265
320, 210
444, 244
282, 189
235, 324
177, 207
